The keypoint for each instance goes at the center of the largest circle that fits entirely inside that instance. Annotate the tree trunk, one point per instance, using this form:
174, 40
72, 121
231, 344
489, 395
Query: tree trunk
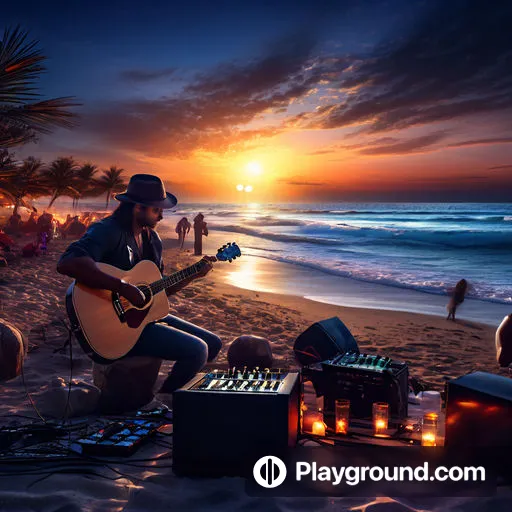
54, 198
108, 198
16, 206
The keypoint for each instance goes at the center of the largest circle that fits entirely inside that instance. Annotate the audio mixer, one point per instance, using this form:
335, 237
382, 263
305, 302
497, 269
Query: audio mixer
237, 380
361, 361
363, 379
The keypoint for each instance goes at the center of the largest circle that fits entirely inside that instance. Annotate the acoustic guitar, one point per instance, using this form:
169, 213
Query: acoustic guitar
107, 325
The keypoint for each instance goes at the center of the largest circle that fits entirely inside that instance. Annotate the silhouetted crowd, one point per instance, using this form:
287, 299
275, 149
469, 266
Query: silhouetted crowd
44, 228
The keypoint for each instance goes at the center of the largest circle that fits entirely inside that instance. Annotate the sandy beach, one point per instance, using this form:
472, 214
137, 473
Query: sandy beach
32, 298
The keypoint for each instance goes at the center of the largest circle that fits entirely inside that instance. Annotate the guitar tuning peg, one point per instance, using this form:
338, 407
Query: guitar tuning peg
230, 261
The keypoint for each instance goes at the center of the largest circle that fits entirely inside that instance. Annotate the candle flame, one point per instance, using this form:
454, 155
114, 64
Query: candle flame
428, 439
341, 427
319, 428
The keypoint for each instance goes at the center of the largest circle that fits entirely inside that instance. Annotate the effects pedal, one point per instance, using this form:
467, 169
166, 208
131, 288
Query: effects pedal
118, 439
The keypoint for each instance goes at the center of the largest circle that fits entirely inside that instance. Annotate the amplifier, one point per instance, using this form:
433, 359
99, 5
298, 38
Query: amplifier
225, 420
364, 379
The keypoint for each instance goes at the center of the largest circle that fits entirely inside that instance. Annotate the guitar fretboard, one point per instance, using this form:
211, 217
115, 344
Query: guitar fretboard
173, 279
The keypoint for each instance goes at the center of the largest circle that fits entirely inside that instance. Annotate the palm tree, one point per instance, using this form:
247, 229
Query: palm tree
21, 115
86, 184
111, 181
59, 177
26, 182
7, 162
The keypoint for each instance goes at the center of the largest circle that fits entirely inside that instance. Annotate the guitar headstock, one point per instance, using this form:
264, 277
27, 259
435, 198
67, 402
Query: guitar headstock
228, 252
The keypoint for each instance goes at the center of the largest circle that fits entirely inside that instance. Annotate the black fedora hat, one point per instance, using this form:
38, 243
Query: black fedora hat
147, 190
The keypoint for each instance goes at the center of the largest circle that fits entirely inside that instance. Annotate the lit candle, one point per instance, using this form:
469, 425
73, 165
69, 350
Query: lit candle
342, 416
429, 430
319, 428
341, 427
380, 418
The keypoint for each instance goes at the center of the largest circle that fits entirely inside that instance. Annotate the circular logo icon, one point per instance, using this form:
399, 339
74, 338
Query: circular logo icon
269, 471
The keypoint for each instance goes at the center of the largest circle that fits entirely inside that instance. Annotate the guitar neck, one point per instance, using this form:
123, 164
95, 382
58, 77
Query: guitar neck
174, 279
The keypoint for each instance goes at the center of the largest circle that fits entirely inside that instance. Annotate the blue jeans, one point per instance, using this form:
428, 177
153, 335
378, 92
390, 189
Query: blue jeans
177, 340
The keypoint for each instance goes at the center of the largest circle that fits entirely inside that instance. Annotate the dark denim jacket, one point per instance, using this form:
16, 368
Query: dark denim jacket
107, 241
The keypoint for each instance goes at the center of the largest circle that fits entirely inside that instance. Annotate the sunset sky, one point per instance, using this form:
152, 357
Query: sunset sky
302, 101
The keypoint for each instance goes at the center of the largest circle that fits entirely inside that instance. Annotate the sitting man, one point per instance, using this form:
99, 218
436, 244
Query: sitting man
122, 240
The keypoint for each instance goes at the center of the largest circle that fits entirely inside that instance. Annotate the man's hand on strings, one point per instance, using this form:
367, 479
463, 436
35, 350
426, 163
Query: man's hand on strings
206, 265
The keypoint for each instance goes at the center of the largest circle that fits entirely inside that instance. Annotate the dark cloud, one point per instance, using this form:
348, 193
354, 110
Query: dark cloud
303, 183
321, 152
145, 75
451, 179
414, 145
500, 167
476, 142
454, 62
210, 112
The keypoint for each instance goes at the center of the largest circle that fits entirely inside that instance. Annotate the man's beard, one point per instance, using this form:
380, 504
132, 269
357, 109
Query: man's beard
151, 225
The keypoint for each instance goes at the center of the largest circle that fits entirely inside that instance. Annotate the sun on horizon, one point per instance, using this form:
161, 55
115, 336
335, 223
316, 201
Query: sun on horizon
254, 168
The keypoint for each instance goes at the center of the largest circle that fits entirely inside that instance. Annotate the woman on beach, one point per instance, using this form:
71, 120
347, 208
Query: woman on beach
182, 228
457, 298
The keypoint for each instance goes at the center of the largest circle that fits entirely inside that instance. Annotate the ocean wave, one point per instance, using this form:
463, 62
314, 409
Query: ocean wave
343, 234
398, 218
277, 237
448, 214
268, 220
376, 277
313, 212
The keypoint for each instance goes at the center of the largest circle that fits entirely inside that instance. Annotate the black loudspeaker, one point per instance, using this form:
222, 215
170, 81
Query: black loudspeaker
324, 340
479, 411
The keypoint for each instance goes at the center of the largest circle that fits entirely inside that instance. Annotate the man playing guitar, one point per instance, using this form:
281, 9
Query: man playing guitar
124, 239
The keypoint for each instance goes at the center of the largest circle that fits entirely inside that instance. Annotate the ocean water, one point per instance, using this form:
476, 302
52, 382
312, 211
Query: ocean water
427, 247
422, 246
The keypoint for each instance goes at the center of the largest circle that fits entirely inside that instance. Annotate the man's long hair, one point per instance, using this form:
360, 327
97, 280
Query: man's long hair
124, 214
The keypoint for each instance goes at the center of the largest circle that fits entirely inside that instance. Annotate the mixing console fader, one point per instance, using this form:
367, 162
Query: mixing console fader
361, 361
237, 380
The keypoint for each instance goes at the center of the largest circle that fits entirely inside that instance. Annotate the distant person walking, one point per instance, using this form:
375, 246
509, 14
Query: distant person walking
182, 228
457, 298
200, 229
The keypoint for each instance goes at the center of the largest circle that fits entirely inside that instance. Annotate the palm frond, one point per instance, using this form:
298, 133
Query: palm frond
19, 66
21, 117
41, 116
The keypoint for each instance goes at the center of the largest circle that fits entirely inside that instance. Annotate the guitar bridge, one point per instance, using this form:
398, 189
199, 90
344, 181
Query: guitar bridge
118, 307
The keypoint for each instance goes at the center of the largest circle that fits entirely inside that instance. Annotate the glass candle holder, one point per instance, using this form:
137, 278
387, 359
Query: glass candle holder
318, 428
429, 430
342, 416
380, 417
